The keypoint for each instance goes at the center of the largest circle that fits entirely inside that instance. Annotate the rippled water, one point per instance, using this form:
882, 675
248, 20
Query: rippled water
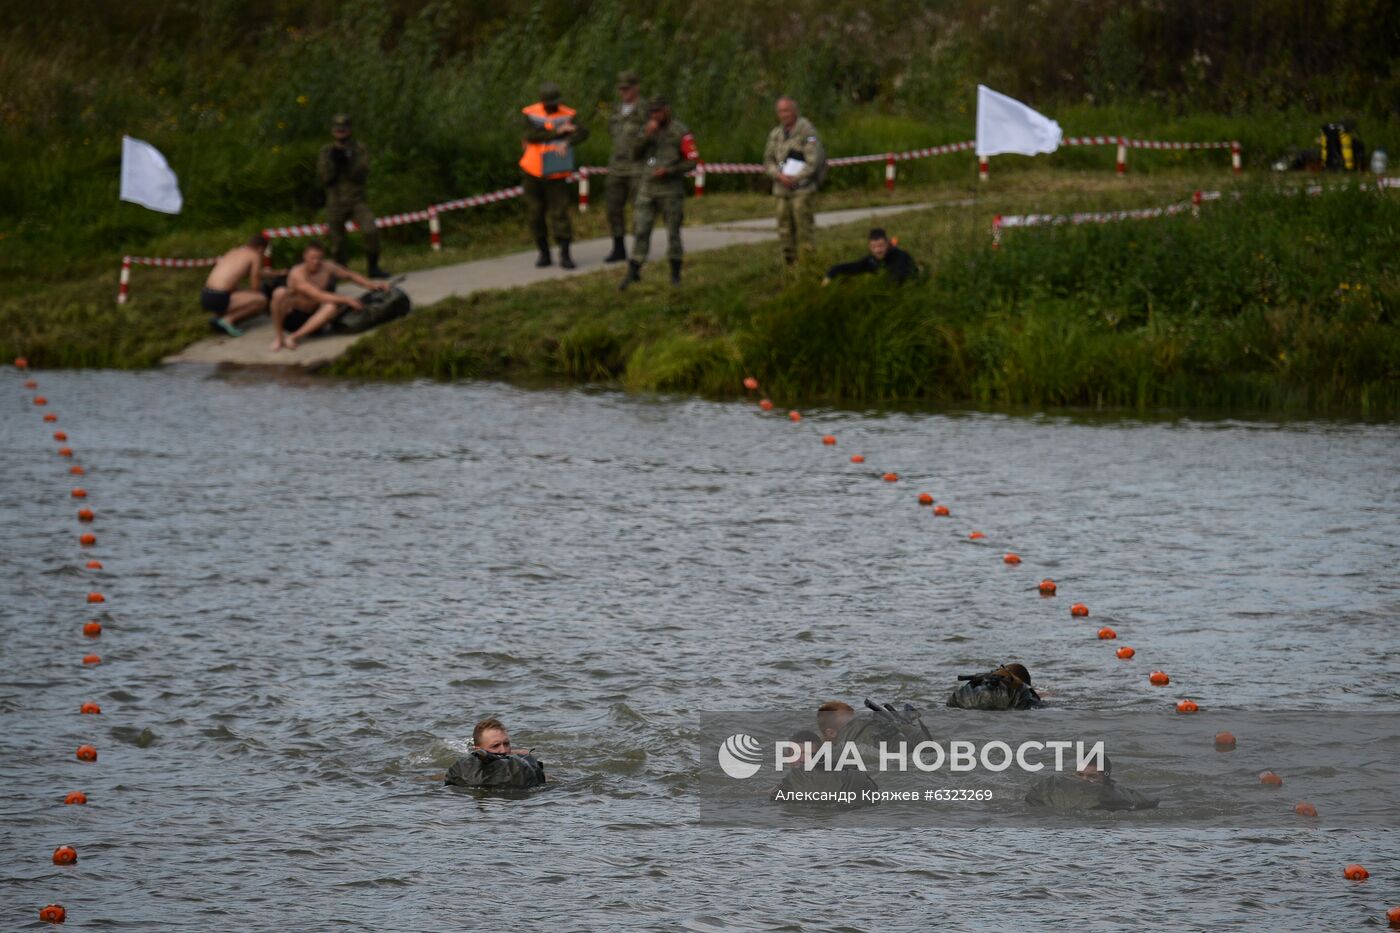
314, 589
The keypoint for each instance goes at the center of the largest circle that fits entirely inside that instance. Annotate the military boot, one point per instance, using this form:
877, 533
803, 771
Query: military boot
619, 252
565, 260
675, 272
544, 259
634, 274
375, 272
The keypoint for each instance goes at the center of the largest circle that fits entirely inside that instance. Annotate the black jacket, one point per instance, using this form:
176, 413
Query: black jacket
897, 264
481, 768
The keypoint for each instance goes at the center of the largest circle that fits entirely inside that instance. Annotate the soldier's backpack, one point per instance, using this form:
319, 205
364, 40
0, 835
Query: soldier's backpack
379, 307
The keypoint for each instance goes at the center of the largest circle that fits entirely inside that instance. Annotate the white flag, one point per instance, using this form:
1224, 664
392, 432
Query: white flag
147, 179
1004, 124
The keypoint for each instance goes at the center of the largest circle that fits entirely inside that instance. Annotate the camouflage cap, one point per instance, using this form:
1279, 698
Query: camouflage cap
628, 79
550, 93
340, 121
657, 103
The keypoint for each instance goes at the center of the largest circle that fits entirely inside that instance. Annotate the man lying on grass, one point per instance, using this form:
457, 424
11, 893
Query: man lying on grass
883, 255
308, 301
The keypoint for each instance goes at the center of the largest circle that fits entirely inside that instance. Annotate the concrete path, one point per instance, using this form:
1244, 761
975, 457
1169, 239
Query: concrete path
428, 286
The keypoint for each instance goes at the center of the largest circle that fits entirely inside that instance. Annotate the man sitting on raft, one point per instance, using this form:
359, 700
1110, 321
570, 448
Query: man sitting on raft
308, 301
1007, 687
221, 295
494, 762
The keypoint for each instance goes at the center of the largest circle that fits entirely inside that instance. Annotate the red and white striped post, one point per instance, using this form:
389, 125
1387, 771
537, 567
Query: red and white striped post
583, 190
1122, 158
699, 179
1196, 204
125, 287
996, 232
434, 230
1235, 161
889, 171
983, 168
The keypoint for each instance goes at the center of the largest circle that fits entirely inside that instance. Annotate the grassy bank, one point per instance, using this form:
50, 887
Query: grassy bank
1275, 303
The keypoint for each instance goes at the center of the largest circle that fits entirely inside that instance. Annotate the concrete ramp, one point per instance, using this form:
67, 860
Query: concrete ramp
428, 286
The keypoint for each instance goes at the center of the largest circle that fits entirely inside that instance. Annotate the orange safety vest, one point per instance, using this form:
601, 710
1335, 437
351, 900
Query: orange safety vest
547, 160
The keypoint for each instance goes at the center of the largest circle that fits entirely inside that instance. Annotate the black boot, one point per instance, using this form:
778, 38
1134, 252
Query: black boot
634, 274
619, 252
374, 271
544, 259
565, 260
675, 272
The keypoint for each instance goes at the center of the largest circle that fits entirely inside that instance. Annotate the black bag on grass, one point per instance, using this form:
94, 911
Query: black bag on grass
379, 307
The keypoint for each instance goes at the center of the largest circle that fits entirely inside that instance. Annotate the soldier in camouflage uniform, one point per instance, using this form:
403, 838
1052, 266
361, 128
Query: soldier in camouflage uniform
625, 123
343, 167
667, 151
795, 189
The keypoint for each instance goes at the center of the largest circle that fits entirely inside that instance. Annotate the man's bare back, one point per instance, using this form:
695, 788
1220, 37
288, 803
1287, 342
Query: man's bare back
233, 266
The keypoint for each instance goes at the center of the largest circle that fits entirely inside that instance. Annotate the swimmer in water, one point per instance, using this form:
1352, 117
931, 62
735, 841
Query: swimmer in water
494, 762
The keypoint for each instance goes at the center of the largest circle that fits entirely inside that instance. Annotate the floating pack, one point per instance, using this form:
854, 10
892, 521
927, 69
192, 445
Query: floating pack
486, 769
379, 307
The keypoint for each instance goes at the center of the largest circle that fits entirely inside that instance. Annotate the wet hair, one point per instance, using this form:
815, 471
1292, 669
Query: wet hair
829, 713
314, 244
1019, 672
485, 726
878, 233
257, 241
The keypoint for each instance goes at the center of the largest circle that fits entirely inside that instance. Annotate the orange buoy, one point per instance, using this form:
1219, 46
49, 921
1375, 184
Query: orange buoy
857, 458
87, 753
40, 400
829, 440
30, 384
94, 565
976, 536
65, 855
90, 709
750, 383
92, 629
1158, 679
1224, 741
53, 913
85, 515
96, 598
1270, 779
941, 511
1392, 917
1187, 706
891, 477
1303, 808
1047, 587
21, 363
925, 499
79, 492
91, 659
1079, 610
1125, 652
65, 451
76, 470
1107, 633
765, 405
75, 797
87, 539
1011, 559
60, 436
794, 416
1354, 872
51, 417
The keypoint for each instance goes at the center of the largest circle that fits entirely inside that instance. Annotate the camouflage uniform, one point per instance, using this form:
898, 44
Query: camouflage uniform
671, 148
625, 124
343, 170
796, 206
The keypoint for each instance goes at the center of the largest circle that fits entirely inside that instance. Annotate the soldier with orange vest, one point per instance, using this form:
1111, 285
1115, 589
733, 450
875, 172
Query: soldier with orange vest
547, 162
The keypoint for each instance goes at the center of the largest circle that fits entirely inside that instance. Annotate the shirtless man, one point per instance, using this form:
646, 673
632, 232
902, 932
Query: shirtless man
306, 304
221, 295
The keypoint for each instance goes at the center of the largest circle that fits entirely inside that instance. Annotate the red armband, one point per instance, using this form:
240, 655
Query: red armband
688, 150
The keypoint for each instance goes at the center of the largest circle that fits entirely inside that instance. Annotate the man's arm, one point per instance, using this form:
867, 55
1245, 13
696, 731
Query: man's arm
298, 283
813, 155
770, 158
902, 267
325, 166
579, 134
341, 272
359, 164
690, 155
856, 267
255, 272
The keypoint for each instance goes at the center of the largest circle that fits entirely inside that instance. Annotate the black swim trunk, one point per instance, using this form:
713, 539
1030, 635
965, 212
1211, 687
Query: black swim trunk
213, 300
295, 319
